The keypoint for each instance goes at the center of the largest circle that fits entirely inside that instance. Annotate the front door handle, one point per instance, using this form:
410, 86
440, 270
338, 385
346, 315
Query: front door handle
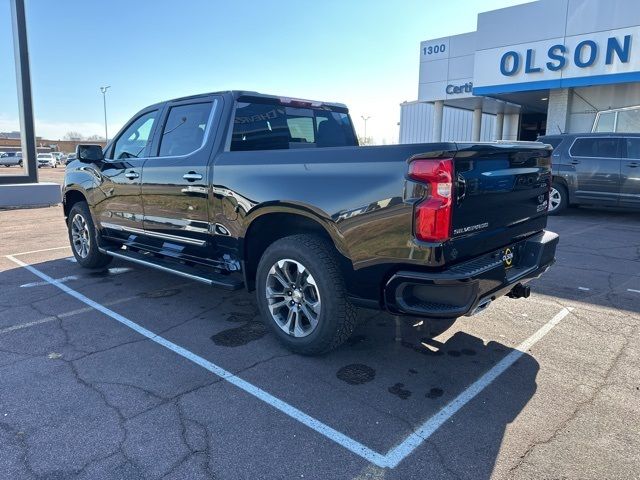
131, 175
575, 162
633, 164
192, 176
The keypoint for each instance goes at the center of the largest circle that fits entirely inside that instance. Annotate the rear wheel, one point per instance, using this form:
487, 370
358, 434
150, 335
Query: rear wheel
302, 296
84, 238
558, 198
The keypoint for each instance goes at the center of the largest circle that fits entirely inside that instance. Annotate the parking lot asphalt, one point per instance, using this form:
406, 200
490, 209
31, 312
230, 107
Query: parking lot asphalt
120, 373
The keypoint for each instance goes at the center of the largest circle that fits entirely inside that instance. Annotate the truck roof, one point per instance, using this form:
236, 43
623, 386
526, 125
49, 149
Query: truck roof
251, 95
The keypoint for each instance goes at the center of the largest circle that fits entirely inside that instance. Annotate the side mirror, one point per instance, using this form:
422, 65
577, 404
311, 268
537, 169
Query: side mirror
89, 153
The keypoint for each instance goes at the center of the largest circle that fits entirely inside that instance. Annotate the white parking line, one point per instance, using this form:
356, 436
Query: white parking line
38, 251
68, 314
400, 452
633, 290
40, 284
396, 454
584, 289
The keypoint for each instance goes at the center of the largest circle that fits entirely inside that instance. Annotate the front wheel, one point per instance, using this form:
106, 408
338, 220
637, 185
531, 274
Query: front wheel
302, 296
84, 238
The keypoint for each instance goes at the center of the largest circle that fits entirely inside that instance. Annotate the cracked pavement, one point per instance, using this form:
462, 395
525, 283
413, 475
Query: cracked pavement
83, 396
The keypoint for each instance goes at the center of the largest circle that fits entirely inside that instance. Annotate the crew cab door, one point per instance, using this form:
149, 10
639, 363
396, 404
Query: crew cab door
119, 205
175, 180
630, 174
596, 164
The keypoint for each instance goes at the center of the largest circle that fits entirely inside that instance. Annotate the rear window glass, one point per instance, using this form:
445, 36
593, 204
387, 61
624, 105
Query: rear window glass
595, 147
553, 141
259, 126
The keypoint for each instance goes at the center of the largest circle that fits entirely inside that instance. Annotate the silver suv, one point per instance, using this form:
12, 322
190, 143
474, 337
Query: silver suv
10, 159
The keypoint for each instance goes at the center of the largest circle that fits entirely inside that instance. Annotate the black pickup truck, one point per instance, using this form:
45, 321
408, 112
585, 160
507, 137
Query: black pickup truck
238, 189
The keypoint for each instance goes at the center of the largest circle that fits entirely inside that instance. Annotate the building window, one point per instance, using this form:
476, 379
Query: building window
624, 120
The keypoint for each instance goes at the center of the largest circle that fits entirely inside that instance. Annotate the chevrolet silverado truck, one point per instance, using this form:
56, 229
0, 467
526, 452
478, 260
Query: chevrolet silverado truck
243, 190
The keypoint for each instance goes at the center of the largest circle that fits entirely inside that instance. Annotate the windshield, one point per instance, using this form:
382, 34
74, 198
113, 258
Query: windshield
264, 126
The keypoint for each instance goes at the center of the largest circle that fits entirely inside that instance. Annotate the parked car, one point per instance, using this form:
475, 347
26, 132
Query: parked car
70, 157
47, 160
238, 189
59, 156
10, 159
595, 169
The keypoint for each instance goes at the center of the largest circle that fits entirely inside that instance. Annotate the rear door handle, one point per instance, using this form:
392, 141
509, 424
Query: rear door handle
192, 176
574, 162
131, 175
633, 164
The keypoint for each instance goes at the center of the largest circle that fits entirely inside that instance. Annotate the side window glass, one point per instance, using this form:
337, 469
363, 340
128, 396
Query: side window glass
584, 147
633, 148
134, 140
608, 148
185, 128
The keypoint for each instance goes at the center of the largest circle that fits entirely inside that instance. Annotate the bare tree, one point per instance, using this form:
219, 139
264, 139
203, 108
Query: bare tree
73, 136
365, 140
95, 138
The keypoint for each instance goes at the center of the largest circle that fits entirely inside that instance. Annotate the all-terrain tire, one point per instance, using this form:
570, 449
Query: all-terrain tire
83, 237
337, 317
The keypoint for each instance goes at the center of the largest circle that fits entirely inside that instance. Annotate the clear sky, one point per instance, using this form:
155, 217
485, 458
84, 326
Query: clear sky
362, 53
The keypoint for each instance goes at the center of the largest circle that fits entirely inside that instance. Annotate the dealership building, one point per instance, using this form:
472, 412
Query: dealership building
546, 67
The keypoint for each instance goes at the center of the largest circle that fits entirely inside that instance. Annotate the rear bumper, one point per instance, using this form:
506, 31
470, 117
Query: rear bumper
468, 286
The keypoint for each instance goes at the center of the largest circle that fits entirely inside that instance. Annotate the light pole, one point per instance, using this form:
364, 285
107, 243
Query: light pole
365, 127
104, 103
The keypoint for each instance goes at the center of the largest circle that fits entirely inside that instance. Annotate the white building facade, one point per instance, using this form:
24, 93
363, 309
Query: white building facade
551, 66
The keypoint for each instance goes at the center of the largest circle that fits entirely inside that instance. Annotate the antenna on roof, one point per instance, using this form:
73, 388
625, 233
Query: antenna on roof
559, 129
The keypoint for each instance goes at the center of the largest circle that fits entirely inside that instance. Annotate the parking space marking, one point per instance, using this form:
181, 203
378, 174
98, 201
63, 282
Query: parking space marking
401, 451
38, 251
60, 316
633, 290
40, 284
584, 289
396, 454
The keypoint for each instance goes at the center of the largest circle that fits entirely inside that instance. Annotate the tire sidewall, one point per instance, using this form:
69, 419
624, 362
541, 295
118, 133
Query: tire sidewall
330, 295
94, 259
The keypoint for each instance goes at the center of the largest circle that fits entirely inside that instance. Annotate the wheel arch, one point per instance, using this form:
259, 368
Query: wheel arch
270, 225
563, 181
70, 198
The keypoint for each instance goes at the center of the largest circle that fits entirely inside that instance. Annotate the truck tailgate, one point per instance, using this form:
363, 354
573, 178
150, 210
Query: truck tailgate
500, 195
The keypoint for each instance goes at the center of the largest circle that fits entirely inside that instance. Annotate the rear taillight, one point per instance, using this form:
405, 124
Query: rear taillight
433, 214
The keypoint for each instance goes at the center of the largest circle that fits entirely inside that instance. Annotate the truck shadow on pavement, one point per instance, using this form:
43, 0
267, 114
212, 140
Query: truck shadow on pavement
383, 383
419, 376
